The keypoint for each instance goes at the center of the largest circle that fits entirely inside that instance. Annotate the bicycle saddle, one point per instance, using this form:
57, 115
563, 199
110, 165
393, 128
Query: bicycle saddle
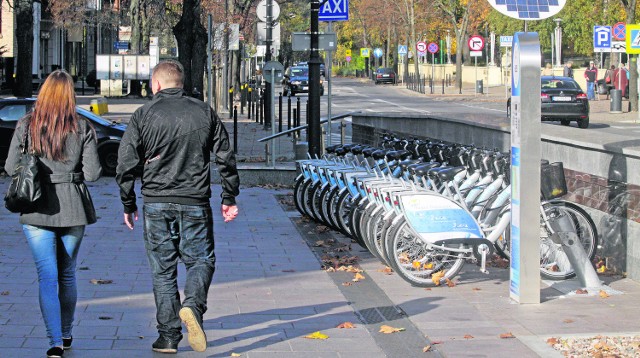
378, 154
367, 151
421, 170
405, 163
447, 174
398, 155
332, 149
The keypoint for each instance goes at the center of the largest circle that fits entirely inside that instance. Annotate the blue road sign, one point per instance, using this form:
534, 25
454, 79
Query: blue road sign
402, 49
377, 52
334, 10
432, 47
601, 38
121, 45
619, 31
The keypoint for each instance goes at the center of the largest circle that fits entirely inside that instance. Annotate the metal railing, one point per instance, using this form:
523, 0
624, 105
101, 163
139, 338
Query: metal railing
297, 129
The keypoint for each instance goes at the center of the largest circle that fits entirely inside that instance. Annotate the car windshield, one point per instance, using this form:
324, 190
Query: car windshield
557, 84
299, 72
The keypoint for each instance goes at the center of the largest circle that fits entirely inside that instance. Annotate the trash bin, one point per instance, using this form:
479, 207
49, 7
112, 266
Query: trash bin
300, 150
616, 101
479, 87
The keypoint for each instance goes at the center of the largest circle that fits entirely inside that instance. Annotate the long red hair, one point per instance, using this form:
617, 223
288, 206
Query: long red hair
54, 116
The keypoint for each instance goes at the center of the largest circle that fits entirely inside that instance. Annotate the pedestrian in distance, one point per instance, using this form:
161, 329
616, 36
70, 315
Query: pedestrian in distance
621, 79
568, 69
173, 136
548, 70
66, 147
591, 74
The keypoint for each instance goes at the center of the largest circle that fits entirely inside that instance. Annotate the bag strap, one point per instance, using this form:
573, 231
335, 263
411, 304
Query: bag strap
25, 137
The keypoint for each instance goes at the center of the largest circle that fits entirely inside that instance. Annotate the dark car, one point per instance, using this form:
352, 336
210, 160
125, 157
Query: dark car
109, 133
562, 100
304, 63
385, 75
296, 80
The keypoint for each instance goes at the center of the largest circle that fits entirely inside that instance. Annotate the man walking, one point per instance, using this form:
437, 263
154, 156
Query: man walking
591, 75
173, 137
568, 69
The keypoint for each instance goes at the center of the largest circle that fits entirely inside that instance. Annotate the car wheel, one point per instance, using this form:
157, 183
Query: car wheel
583, 123
565, 122
108, 155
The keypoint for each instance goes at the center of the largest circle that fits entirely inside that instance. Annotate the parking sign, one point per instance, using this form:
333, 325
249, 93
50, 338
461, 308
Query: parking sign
602, 38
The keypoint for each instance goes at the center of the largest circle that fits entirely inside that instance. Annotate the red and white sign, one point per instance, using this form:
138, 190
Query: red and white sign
476, 43
421, 46
619, 31
432, 48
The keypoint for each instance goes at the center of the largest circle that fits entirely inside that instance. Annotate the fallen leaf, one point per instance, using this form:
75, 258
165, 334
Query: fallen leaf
347, 283
426, 348
602, 269
96, 281
507, 335
436, 277
4, 293
603, 294
386, 270
330, 269
105, 318
428, 266
450, 283
288, 270
388, 329
476, 289
568, 320
428, 289
581, 291
436, 342
235, 355
358, 277
317, 335
416, 264
467, 336
346, 325
552, 341
321, 229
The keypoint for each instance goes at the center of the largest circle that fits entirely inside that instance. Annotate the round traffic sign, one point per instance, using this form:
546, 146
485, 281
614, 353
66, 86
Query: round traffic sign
261, 10
421, 46
348, 58
476, 43
433, 47
619, 31
377, 52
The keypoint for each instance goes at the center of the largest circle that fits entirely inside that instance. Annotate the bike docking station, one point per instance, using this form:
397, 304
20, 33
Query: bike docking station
525, 282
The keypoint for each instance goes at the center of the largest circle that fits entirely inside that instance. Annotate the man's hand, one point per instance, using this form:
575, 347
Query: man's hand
130, 218
229, 212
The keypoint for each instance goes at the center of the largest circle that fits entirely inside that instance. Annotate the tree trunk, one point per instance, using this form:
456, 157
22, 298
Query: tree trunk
136, 19
24, 40
192, 40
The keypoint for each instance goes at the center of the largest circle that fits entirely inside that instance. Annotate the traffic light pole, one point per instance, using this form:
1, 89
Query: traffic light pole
314, 85
268, 94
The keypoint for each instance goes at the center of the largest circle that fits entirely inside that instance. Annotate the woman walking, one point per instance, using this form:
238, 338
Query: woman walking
67, 149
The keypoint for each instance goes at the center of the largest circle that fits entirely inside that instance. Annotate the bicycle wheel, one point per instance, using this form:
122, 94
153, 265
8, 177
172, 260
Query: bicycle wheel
326, 198
343, 211
297, 192
421, 264
373, 221
565, 217
304, 197
333, 209
316, 202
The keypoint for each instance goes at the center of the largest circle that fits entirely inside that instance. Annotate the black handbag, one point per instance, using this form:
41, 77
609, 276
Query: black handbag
24, 191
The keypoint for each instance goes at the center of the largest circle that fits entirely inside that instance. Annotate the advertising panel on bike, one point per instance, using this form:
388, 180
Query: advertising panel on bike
438, 218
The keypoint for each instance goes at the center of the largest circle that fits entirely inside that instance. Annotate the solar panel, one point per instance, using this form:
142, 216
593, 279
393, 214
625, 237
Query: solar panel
528, 9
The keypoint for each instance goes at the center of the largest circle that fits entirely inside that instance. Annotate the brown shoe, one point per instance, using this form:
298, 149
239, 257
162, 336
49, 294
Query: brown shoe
197, 337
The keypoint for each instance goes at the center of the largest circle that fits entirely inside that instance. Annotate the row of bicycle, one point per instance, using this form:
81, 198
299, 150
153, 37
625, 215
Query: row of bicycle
424, 208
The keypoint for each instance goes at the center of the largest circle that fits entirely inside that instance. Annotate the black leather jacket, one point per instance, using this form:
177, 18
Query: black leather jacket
173, 136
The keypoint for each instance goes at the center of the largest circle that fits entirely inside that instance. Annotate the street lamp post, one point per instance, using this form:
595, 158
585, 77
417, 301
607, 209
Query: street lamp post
558, 44
314, 85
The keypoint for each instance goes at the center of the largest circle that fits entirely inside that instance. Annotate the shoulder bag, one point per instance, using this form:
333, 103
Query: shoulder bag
24, 191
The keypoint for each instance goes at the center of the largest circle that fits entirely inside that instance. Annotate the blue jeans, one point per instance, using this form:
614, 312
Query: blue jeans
54, 251
590, 93
185, 232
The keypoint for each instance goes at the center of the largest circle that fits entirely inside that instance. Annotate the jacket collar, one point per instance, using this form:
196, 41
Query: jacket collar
170, 92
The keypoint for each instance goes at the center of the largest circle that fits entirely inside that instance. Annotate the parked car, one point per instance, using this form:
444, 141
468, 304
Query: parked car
385, 75
305, 63
296, 80
109, 133
562, 100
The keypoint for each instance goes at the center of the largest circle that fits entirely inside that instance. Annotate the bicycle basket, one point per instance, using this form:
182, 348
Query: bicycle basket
552, 181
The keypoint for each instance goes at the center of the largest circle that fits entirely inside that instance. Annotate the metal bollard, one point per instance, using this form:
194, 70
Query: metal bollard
299, 113
243, 95
235, 129
443, 86
261, 107
230, 101
279, 111
289, 114
249, 103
